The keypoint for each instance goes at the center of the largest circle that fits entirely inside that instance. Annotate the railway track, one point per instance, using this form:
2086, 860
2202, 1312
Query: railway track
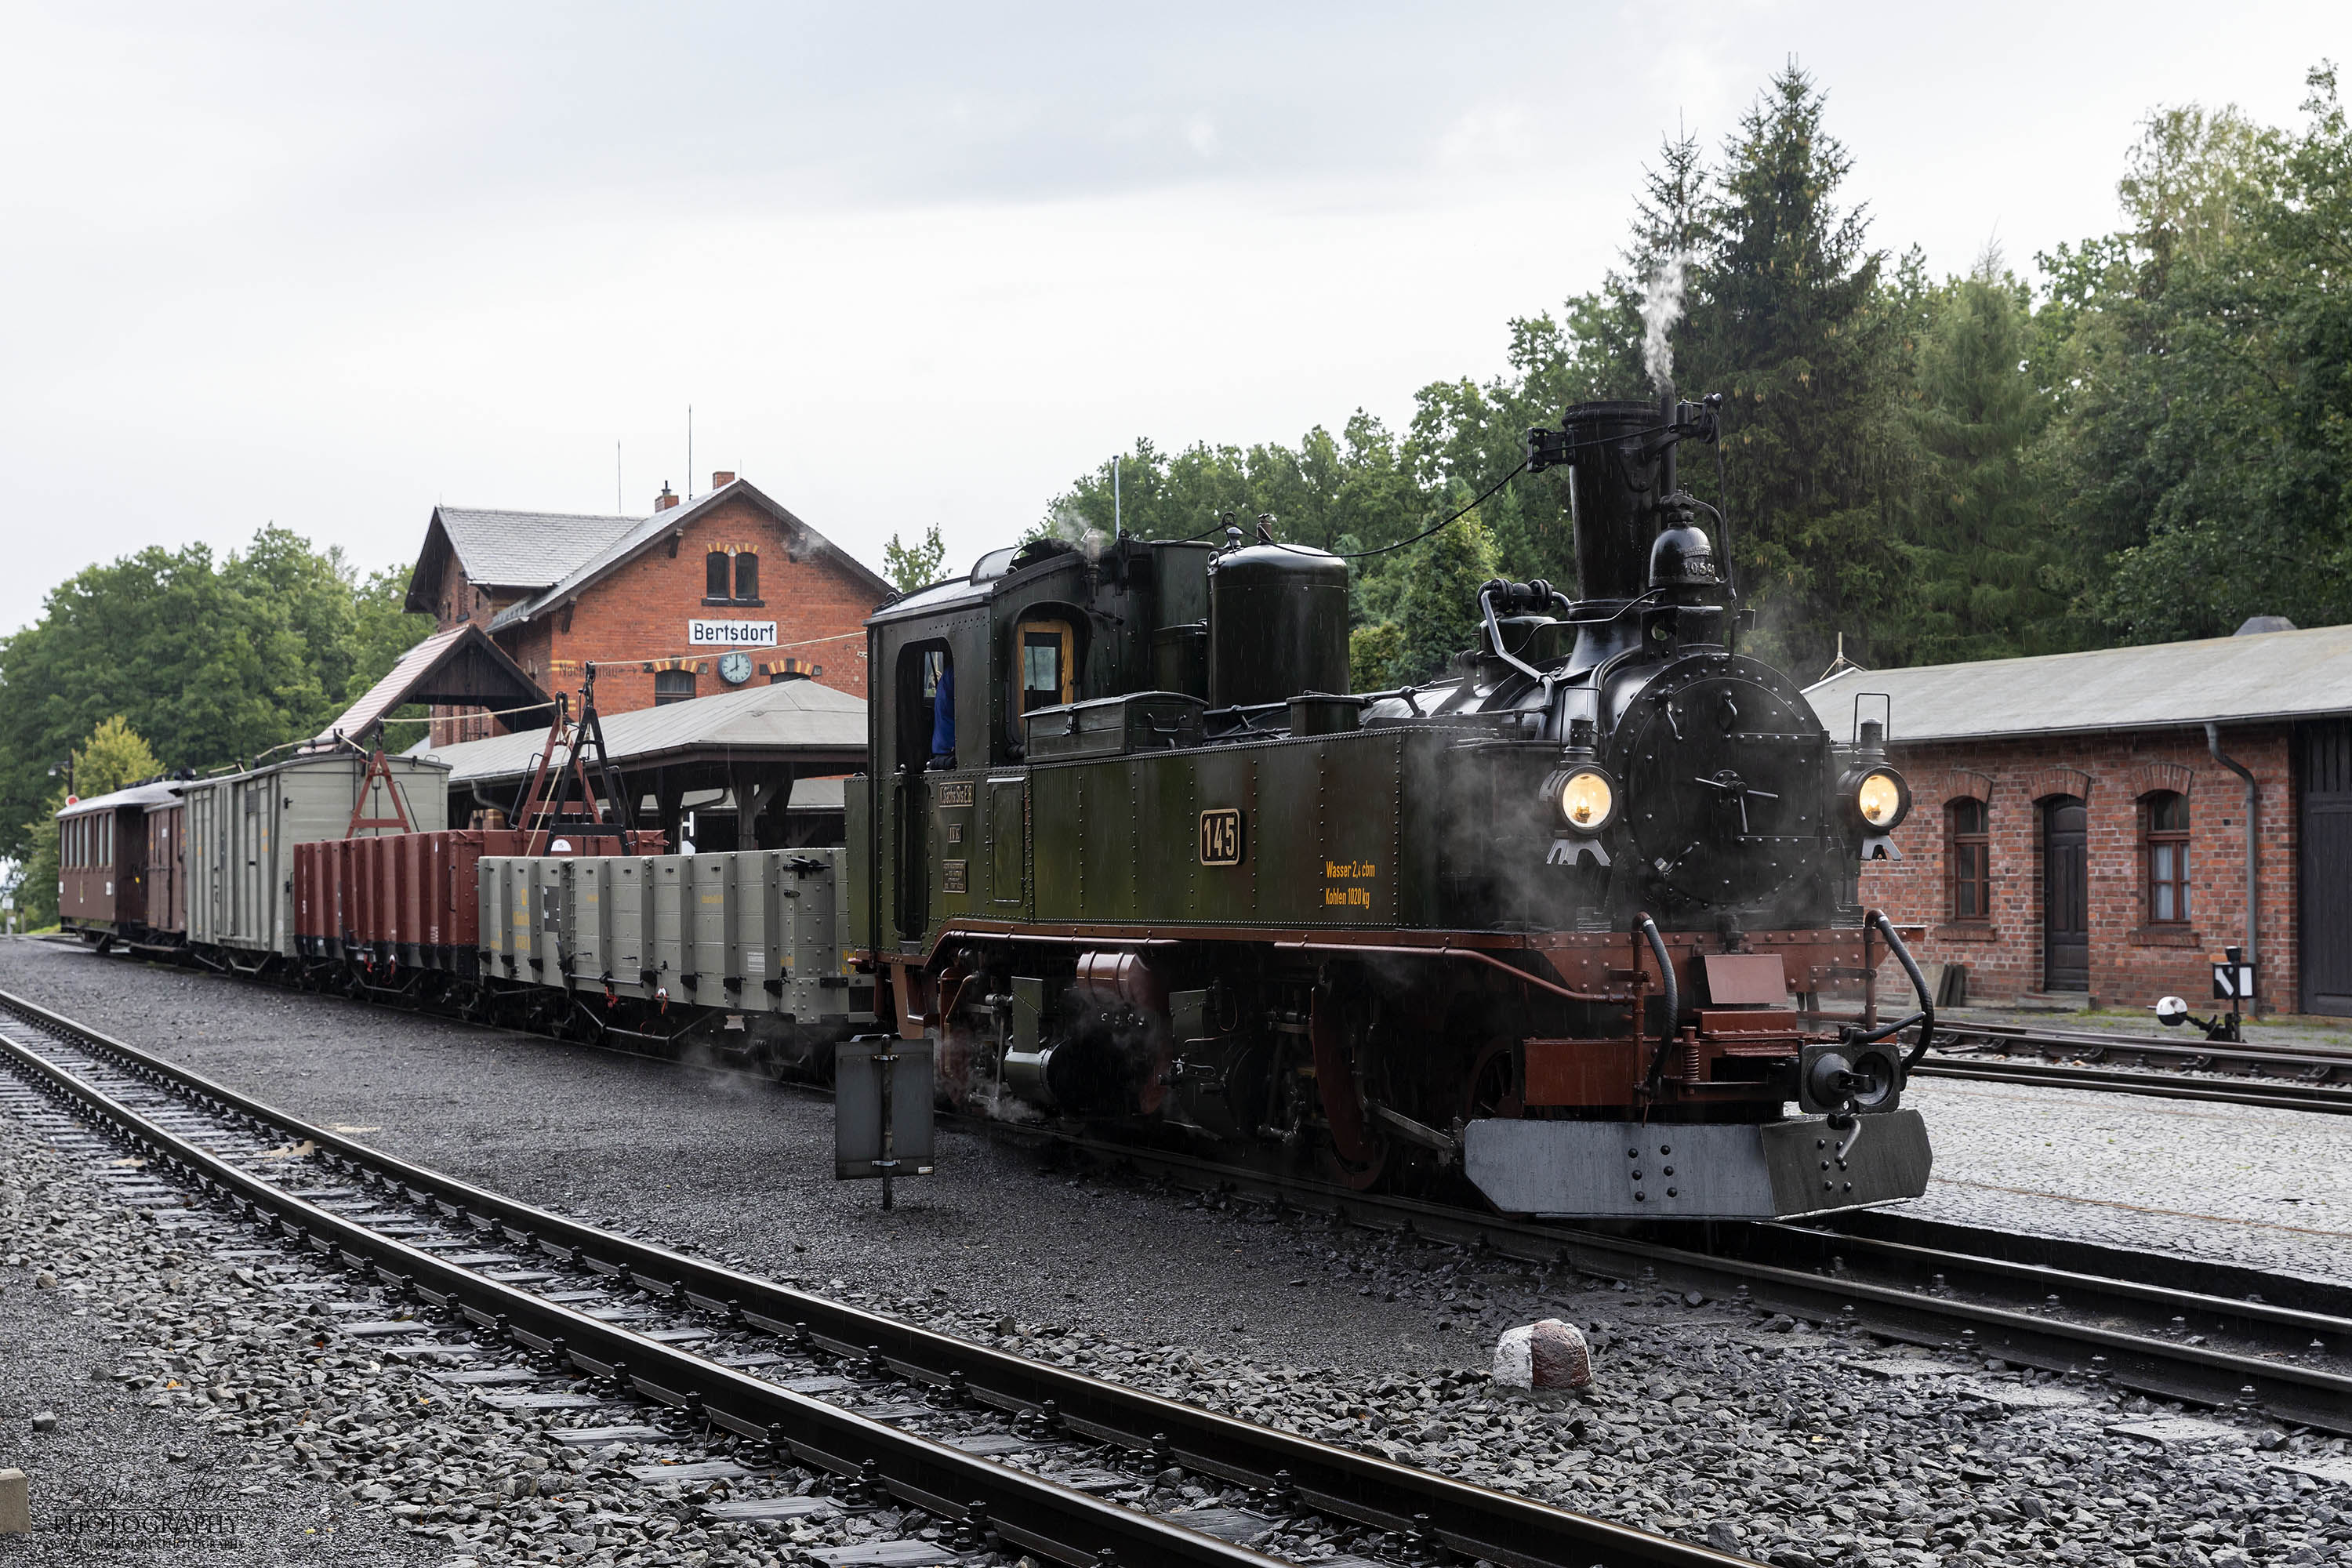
2278, 1078
1014, 1455
2166, 1327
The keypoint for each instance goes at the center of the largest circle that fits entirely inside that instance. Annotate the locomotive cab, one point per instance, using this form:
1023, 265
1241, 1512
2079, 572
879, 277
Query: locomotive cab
1554, 925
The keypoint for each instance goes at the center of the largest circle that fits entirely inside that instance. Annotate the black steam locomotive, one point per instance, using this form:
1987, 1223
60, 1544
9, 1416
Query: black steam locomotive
1132, 852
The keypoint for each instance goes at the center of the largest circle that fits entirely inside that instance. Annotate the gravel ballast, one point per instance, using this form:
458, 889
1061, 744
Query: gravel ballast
1708, 1420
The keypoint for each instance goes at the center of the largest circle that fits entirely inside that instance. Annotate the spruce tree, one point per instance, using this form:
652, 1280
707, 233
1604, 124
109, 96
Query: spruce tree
1990, 580
1792, 329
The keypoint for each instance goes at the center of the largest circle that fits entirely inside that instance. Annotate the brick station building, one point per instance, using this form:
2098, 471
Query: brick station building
655, 603
2077, 830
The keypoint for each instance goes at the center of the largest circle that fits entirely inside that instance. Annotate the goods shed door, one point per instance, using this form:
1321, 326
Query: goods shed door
2327, 871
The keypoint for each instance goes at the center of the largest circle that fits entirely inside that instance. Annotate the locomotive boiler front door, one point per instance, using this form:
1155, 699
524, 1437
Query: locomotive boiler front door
2066, 895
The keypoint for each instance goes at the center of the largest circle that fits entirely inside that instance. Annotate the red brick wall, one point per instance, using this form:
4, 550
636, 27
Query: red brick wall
636, 616
2132, 962
455, 603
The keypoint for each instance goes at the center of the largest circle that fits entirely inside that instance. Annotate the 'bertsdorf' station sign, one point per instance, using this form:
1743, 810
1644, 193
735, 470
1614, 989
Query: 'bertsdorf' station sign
732, 634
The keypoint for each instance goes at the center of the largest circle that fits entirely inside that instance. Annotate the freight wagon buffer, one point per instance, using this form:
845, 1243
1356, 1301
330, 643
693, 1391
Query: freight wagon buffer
1132, 852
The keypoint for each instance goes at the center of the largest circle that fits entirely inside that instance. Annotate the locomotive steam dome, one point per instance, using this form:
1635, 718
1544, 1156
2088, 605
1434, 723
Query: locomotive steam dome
1278, 625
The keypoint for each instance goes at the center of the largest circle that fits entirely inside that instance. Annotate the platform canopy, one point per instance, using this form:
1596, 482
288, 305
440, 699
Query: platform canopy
460, 668
741, 752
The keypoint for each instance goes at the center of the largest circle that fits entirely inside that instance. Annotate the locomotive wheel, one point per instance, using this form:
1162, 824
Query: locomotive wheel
1493, 1086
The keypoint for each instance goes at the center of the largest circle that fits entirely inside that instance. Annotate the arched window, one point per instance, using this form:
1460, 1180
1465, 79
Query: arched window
2165, 832
747, 575
1970, 858
715, 574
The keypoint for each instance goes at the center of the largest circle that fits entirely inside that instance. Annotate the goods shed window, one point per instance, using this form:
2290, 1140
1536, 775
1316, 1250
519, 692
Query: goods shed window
2166, 833
1971, 859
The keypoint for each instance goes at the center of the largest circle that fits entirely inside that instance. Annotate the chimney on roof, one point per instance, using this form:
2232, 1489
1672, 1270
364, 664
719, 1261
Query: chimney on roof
666, 499
720, 479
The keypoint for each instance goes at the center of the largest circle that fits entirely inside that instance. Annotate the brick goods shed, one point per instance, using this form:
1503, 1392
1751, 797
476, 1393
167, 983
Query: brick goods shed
2081, 823
658, 603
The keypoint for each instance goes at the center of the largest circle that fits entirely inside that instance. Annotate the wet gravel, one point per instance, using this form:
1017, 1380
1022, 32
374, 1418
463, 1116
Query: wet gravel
118, 1337
1709, 1421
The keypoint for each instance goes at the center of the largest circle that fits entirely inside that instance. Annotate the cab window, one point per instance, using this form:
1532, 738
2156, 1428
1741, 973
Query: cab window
1047, 678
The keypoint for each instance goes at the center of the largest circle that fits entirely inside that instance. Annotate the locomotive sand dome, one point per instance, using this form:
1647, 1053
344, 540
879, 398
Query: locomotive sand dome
1545, 923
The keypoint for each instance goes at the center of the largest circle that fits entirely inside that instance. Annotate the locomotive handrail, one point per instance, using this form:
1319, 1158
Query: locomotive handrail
1648, 928
1926, 1017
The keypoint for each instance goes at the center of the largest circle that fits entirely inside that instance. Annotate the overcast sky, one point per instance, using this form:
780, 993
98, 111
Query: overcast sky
329, 264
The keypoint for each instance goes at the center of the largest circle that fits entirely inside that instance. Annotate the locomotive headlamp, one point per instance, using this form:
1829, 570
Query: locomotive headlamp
1588, 800
1882, 799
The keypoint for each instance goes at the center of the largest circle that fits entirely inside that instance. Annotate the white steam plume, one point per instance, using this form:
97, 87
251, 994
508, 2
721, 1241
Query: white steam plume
1662, 307
1065, 523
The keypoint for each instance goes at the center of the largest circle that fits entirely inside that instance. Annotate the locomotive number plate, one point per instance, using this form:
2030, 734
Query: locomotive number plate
1221, 841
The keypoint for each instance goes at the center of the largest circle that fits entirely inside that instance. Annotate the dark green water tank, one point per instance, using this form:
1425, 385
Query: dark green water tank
1278, 625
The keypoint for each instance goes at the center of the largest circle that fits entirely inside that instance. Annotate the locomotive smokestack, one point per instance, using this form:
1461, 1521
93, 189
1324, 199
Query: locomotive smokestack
1667, 483
1614, 484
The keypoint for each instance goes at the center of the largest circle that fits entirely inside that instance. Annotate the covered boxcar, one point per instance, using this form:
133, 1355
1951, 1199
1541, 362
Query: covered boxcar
242, 830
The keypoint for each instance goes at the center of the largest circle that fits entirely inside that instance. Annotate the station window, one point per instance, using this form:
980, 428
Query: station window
715, 574
1971, 859
747, 575
2167, 834
672, 685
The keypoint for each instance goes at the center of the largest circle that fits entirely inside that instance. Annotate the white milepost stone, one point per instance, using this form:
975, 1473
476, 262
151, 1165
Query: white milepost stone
1546, 1355
16, 1503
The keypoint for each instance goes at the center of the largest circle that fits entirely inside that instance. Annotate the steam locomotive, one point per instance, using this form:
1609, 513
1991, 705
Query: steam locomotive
1130, 854
1129, 850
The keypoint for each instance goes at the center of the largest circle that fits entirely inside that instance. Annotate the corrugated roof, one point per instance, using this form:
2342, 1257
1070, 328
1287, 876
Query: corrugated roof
789, 716
478, 667
2264, 674
525, 549
162, 791
644, 532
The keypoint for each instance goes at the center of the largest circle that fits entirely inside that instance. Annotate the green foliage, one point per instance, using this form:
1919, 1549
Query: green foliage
913, 566
1373, 649
1991, 576
212, 662
2157, 443
113, 758
1439, 615
2202, 445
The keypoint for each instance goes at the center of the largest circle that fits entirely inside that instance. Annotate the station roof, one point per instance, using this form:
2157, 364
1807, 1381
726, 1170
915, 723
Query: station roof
459, 667
643, 534
791, 721
500, 549
2254, 676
